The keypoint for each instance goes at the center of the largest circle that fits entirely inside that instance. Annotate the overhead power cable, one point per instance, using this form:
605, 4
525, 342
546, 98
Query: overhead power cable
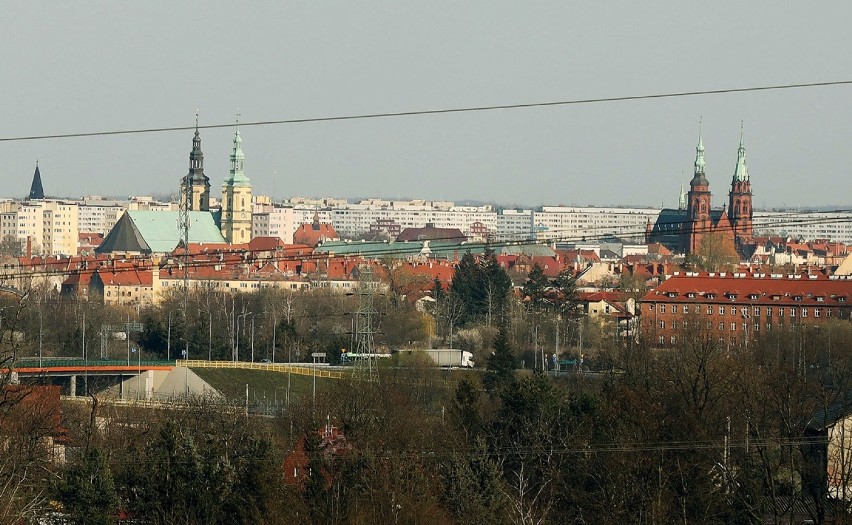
440, 111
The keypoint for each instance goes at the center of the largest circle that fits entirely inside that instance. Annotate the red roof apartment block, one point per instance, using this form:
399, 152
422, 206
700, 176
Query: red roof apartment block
740, 306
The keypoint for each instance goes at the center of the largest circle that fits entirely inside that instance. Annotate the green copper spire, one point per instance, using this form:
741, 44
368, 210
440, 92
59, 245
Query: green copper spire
699, 152
741, 172
237, 175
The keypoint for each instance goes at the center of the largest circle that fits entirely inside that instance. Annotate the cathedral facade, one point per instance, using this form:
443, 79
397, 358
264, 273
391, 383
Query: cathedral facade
685, 230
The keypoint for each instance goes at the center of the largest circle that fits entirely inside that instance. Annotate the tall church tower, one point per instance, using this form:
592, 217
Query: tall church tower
698, 203
199, 184
236, 197
739, 205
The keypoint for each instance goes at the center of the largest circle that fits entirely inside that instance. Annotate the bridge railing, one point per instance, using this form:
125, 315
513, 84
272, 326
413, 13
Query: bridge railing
76, 362
305, 370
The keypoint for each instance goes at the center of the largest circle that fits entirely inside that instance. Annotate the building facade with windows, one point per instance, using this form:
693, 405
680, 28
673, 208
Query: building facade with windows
741, 306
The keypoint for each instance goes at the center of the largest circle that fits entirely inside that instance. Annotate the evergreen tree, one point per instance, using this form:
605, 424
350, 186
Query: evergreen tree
566, 287
87, 491
535, 288
501, 363
467, 287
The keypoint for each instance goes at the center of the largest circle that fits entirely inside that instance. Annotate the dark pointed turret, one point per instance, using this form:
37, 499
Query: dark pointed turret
36, 189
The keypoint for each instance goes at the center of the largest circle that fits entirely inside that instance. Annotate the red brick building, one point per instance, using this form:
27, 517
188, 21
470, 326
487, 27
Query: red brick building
739, 306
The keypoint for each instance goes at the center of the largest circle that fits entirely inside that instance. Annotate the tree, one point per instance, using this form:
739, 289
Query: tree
501, 363
535, 289
87, 491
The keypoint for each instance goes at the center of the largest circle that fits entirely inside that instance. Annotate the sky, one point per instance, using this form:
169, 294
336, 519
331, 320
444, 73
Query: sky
102, 66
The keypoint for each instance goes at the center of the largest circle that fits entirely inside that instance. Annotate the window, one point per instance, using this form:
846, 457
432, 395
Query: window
792, 312
686, 324
721, 310
662, 325
651, 307
661, 340
745, 327
756, 327
733, 310
721, 326
686, 308
828, 312
744, 311
709, 310
673, 309
816, 312
804, 312
733, 327
673, 339
768, 327
709, 325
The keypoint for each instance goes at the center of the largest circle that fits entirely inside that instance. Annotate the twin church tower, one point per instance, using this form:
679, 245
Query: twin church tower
235, 219
735, 224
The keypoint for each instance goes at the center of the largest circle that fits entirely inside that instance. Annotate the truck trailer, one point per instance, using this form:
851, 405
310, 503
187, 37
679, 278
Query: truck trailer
448, 357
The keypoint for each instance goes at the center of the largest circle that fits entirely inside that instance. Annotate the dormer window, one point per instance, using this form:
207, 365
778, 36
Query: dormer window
753, 296
841, 299
691, 295
711, 296
820, 299
797, 297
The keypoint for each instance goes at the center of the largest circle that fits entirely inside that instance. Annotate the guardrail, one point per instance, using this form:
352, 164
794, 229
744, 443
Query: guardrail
76, 362
269, 367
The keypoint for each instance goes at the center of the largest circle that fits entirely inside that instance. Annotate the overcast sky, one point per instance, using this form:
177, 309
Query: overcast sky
97, 66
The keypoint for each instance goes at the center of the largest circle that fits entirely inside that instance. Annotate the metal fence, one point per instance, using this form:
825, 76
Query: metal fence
305, 370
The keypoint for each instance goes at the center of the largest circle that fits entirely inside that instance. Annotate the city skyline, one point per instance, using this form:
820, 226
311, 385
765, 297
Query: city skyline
270, 62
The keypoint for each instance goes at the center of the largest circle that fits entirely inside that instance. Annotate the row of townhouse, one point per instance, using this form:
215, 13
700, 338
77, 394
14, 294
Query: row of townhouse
736, 307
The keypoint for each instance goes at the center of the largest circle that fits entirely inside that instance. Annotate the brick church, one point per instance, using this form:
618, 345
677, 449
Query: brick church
684, 229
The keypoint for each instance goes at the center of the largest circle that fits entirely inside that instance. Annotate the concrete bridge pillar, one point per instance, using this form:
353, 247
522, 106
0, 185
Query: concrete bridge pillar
72, 386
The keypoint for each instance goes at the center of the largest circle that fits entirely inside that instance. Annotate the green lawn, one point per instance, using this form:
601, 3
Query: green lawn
264, 386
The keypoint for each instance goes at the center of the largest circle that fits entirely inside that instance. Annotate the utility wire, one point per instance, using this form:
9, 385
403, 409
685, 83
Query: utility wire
377, 251
442, 111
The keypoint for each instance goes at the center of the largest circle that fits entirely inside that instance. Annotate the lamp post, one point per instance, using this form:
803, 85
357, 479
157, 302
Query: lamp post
40, 326
237, 353
169, 339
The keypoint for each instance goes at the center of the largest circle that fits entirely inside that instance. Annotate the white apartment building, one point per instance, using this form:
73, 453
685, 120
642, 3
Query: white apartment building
515, 225
282, 222
49, 225
836, 226
575, 224
476, 222
98, 218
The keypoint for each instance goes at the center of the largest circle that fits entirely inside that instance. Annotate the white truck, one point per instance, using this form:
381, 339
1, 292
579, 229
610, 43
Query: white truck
448, 357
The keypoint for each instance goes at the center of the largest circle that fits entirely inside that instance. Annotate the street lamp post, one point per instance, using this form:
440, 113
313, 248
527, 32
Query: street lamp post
243, 315
40, 326
169, 339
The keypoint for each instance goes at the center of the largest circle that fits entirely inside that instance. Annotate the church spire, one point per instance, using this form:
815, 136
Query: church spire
741, 171
199, 184
699, 152
36, 189
681, 201
237, 173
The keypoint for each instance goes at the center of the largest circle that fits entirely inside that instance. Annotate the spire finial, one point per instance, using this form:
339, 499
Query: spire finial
238, 117
196, 119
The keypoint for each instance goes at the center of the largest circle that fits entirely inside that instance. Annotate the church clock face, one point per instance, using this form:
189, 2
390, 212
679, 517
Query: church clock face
242, 215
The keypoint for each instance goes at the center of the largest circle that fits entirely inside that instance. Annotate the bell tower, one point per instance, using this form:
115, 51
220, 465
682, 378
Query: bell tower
698, 199
739, 199
236, 197
199, 184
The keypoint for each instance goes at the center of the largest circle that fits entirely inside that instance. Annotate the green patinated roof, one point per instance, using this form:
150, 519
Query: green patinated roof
157, 232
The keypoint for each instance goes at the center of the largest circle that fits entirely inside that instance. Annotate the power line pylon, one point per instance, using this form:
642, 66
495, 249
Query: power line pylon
366, 364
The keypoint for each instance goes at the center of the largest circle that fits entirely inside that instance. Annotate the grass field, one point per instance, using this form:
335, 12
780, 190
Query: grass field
263, 386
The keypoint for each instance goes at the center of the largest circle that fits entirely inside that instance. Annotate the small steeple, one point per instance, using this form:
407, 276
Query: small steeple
698, 179
681, 201
237, 173
36, 189
741, 171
